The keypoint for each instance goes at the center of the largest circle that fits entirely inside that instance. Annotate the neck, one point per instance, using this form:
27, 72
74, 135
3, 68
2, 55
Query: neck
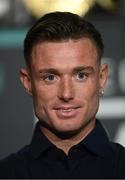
66, 143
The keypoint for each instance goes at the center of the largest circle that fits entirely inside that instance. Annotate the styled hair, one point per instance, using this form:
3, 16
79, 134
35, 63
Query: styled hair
59, 26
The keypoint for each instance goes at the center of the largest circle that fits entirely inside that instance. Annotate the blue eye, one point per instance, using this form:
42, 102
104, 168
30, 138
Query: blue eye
81, 76
49, 77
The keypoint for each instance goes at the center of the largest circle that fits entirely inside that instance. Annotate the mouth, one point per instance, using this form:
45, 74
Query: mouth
66, 112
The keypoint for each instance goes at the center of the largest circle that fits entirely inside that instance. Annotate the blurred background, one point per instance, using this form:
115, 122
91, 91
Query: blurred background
16, 110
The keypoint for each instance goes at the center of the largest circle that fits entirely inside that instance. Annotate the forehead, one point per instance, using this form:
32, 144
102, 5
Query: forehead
64, 53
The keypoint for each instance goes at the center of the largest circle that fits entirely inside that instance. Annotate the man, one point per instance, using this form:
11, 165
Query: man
65, 78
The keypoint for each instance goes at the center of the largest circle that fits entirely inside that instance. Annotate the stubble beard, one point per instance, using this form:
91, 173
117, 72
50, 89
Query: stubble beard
65, 134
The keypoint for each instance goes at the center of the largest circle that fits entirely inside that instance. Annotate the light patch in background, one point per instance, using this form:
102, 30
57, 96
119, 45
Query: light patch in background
112, 108
120, 135
41, 7
4, 7
81, 7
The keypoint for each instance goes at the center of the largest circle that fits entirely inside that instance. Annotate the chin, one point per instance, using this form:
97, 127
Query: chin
68, 130
66, 134
63, 132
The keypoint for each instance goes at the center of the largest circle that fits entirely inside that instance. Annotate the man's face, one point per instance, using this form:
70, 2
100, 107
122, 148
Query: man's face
65, 83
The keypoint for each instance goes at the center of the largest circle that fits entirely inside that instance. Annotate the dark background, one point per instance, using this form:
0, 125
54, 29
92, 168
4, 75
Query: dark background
16, 111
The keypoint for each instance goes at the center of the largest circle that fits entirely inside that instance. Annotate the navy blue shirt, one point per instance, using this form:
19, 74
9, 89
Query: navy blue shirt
94, 157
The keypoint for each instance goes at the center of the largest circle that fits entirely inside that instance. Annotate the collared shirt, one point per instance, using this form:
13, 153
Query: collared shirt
95, 157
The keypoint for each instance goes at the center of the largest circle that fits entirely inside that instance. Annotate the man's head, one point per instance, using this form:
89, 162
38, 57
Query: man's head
64, 74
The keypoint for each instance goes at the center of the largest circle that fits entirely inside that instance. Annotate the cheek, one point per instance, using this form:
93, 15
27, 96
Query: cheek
89, 98
43, 96
93, 96
93, 99
88, 91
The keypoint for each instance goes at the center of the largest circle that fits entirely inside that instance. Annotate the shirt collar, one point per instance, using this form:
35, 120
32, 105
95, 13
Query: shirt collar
97, 141
39, 143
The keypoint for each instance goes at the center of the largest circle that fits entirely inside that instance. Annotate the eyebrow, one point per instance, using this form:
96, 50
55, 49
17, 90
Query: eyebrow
75, 70
48, 70
84, 68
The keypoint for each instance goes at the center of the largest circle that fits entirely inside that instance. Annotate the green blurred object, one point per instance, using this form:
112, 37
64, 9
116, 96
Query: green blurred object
10, 38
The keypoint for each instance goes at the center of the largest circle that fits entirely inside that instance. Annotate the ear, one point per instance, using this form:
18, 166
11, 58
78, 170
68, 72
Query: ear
103, 76
26, 80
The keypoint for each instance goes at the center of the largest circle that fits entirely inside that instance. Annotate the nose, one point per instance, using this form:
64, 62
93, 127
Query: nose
66, 90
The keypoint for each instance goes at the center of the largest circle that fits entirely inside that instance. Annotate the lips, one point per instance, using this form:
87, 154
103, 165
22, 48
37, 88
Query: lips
64, 112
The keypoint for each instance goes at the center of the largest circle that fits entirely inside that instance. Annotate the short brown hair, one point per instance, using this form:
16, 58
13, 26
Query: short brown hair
58, 26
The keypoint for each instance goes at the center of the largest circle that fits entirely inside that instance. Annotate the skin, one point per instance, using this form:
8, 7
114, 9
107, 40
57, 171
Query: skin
65, 81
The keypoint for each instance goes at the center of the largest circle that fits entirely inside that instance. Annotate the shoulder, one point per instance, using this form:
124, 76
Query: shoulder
10, 164
21, 155
119, 152
118, 149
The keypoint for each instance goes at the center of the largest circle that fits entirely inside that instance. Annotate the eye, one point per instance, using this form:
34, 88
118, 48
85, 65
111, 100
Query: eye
49, 78
81, 76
